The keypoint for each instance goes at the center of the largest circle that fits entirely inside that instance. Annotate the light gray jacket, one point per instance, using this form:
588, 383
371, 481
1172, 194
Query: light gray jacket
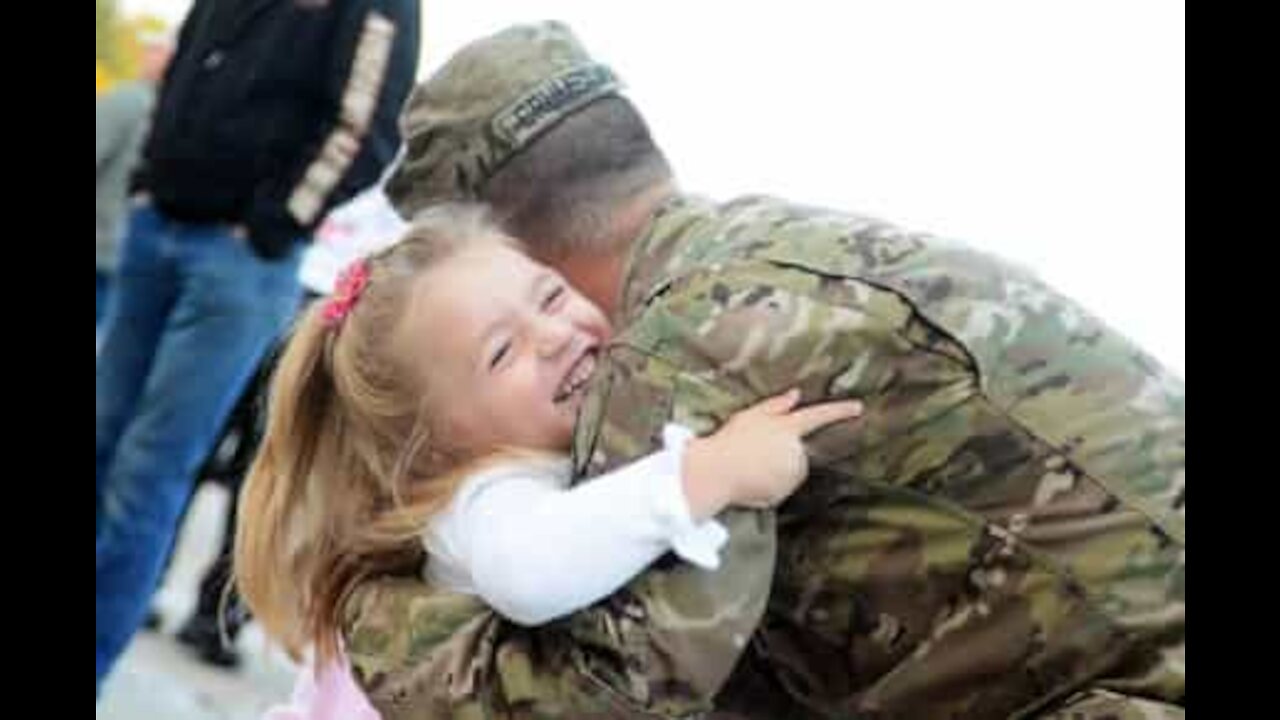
122, 118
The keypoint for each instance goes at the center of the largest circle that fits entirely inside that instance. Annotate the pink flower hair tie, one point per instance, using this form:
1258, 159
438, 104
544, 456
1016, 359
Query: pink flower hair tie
351, 282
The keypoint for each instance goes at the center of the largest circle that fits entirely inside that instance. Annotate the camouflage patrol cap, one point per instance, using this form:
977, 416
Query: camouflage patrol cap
491, 99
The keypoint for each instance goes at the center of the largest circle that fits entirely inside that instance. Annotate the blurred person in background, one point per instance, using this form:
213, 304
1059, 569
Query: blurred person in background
269, 115
122, 118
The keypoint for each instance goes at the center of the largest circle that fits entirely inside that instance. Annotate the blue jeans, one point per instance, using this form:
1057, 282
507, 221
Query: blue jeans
193, 312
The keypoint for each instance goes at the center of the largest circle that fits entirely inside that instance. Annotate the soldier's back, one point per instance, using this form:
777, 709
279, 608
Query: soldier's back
1008, 523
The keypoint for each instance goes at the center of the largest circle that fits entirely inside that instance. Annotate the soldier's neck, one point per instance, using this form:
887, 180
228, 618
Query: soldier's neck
600, 276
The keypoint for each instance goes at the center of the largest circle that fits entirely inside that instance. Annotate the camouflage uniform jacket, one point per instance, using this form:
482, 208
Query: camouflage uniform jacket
1003, 533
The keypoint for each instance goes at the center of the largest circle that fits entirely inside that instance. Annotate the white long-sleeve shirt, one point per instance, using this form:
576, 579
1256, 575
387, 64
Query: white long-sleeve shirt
535, 549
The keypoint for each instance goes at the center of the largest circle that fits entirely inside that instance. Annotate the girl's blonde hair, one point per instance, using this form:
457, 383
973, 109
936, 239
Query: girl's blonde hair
347, 474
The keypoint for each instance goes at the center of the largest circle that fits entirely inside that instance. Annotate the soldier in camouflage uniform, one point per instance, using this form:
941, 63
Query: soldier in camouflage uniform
1002, 536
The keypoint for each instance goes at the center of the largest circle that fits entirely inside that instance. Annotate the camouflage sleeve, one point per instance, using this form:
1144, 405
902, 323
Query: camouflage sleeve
421, 653
657, 650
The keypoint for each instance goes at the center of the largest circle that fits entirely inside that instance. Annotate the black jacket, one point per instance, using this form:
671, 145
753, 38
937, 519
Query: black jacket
273, 111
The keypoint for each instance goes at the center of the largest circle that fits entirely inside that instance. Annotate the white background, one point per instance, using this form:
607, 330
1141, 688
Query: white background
1050, 133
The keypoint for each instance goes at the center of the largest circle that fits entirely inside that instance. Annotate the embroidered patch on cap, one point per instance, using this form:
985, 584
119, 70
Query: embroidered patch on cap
551, 100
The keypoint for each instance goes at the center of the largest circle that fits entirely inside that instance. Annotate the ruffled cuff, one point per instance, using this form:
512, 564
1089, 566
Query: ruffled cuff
696, 542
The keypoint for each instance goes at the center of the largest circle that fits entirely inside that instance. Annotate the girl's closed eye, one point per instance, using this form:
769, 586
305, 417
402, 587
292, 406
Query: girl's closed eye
551, 300
499, 354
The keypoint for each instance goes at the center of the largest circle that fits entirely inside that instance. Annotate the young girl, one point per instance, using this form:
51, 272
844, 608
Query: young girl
422, 414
